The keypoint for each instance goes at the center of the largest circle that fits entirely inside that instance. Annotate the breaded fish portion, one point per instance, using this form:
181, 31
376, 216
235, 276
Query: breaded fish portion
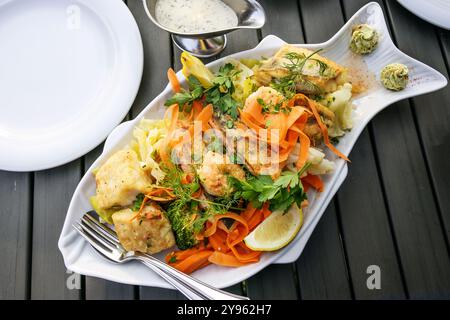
150, 232
321, 74
120, 180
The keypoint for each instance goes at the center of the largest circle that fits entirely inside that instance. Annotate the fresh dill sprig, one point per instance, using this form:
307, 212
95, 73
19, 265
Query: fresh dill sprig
296, 63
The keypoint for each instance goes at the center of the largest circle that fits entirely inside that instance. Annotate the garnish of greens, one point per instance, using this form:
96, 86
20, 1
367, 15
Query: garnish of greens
219, 94
185, 98
280, 194
188, 214
297, 61
273, 108
138, 202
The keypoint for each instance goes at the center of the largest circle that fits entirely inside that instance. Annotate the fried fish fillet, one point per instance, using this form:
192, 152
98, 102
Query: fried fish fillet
120, 180
320, 75
151, 232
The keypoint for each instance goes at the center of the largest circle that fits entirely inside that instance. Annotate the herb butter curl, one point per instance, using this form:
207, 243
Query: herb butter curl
395, 76
364, 39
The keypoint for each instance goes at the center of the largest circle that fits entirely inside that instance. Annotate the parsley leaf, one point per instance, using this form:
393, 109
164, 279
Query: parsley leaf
220, 95
185, 98
280, 194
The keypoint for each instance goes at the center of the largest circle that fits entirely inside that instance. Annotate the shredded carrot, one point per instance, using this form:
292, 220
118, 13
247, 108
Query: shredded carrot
245, 255
324, 130
212, 229
144, 201
193, 262
256, 219
174, 82
266, 211
314, 181
305, 143
183, 254
204, 116
197, 107
219, 241
225, 259
249, 211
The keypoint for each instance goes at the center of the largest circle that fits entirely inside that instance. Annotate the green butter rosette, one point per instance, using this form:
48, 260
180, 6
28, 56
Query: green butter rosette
364, 39
395, 76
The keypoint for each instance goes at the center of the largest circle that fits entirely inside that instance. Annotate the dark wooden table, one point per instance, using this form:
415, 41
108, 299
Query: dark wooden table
393, 210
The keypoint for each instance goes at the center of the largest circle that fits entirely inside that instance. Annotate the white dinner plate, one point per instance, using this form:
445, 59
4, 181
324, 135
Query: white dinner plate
81, 258
436, 12
69, 72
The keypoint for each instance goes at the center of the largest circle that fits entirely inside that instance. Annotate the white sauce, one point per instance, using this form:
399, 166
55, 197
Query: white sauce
195, 16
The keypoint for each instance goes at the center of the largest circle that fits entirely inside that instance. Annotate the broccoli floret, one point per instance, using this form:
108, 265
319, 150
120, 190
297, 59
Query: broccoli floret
183, 226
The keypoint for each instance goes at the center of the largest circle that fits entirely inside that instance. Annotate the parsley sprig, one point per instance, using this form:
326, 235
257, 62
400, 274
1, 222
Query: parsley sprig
219, 94
185, 98
280, 194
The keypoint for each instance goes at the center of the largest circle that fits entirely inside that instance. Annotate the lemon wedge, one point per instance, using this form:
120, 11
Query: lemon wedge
276, 231
194, 66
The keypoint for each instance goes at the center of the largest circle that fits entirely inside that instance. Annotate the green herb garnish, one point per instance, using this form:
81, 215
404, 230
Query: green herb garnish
138, 202
280, 194
185, 98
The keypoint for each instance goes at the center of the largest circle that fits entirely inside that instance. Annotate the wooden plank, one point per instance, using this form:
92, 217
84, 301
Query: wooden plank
278, 13
53, 190
360, 242
431, 111
15, 228
365, 225
422, 240
276, 282
321, 268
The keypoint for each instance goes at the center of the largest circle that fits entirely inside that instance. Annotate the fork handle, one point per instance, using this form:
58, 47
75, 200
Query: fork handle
192, 288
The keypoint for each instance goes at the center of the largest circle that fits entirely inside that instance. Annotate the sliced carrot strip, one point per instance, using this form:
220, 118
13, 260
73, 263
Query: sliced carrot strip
204, 116
305, 143
173, 79
193, 262
314, 181
212, 229
324, 130
246, 256
224, 259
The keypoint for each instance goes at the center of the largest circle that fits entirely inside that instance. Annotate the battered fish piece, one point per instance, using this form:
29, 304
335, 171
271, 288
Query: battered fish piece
120, 180
319, 80
151, 232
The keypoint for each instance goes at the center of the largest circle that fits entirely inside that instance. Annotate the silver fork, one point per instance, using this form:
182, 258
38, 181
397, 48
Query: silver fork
104, 240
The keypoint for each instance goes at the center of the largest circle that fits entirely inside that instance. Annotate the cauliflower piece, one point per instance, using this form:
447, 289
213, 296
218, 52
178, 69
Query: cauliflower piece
316, 158
339, 102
